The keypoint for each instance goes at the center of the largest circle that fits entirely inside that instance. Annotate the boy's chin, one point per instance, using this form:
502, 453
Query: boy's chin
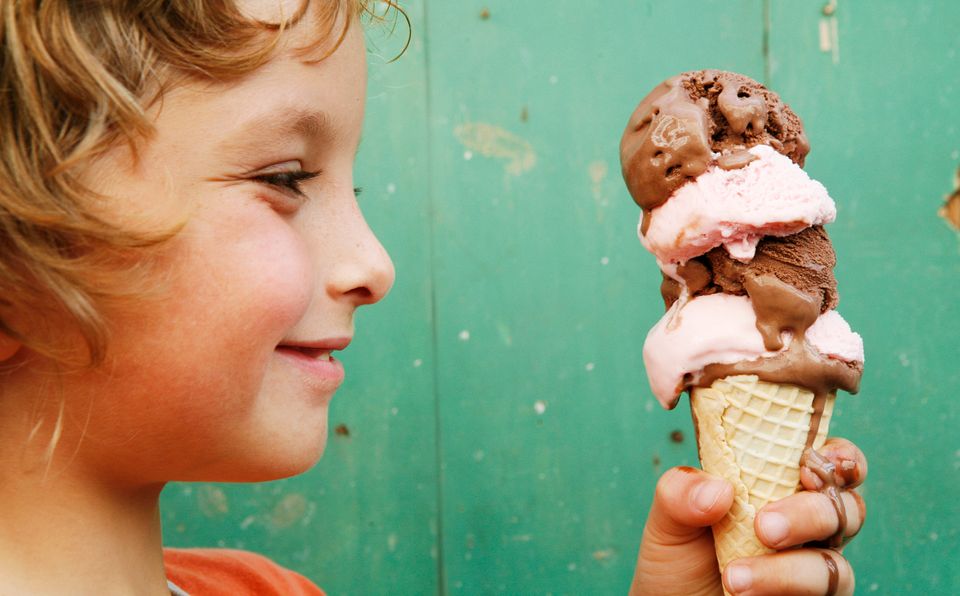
271, 462
285, 465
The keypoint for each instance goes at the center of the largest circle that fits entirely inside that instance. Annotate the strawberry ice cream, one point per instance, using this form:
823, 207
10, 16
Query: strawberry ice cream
770, 196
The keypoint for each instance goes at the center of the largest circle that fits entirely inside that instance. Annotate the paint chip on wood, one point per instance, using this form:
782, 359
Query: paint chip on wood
493, 141
830, 31
289, 510
950, 211
597, 171
603, 554
464, 335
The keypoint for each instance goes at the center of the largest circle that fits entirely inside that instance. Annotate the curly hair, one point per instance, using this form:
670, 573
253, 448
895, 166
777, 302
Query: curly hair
78, 78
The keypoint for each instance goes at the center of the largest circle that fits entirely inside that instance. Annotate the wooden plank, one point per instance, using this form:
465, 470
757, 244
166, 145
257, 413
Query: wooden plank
365, 517
878, 86
549, 433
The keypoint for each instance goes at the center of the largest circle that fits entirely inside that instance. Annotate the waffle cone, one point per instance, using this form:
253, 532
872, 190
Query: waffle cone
753, 434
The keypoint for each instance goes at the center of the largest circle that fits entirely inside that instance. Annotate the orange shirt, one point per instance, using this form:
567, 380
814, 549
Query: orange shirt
225, 572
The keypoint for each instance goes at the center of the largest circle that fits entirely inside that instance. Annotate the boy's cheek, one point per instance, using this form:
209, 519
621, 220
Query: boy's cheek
281, 285
252, 266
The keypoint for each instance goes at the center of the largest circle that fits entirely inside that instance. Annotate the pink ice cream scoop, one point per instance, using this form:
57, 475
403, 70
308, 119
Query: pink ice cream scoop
770, 196
722, 329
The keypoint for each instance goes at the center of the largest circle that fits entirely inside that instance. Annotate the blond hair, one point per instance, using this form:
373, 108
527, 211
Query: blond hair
77, 79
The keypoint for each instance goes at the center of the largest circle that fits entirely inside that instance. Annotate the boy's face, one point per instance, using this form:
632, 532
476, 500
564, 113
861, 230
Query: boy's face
227, 376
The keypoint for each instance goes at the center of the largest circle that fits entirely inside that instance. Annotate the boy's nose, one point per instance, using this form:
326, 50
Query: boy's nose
367, 274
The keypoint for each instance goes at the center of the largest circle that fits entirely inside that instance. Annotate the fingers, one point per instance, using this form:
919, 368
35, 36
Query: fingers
806, 572
806, 517
850, 465
686, 501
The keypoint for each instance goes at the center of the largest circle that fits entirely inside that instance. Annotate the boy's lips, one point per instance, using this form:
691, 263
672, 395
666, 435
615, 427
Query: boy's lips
315, 347
316, 357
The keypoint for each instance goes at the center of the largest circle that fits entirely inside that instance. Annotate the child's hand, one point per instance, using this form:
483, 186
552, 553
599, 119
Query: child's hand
677, 554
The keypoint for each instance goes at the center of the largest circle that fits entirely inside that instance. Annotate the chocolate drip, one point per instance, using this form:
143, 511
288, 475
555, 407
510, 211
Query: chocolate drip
645, 223
825, 471
780, 307
819, 404
834, 574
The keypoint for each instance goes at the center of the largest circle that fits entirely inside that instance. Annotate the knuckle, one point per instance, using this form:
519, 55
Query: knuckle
824, 515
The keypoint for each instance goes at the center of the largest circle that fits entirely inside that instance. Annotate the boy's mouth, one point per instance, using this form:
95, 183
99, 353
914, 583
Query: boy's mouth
312, 353
315, 350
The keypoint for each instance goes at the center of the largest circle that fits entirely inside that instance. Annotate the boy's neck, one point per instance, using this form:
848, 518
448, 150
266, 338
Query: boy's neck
62, 536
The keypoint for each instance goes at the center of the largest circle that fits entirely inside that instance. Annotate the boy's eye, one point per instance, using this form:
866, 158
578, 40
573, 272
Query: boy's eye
288, 180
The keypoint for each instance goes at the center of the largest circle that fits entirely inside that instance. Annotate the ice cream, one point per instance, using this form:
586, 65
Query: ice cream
714, 159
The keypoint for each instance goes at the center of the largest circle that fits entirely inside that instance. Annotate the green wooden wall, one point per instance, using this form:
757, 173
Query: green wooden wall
496, 432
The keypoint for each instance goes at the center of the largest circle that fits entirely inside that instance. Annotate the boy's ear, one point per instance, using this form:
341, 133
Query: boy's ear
8, 347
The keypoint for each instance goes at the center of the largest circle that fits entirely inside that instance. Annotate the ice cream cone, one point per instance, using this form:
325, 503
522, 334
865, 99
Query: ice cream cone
753, 434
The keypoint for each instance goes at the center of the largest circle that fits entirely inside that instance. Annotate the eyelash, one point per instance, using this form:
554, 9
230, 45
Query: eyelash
290, 180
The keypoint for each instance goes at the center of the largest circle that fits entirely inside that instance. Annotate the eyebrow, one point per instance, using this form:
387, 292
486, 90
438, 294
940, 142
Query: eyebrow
266, 130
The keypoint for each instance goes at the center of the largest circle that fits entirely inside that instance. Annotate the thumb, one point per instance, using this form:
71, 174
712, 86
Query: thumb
676, 554
686, 501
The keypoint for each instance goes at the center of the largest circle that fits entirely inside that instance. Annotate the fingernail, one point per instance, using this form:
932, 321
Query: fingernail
774, 527
706, 495
739, 578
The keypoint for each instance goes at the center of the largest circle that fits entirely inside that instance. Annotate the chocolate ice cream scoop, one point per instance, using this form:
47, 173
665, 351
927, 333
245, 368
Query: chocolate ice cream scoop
804, 261
697, 119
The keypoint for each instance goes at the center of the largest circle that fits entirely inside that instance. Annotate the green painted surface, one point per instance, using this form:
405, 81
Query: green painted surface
502, 437
883, 118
